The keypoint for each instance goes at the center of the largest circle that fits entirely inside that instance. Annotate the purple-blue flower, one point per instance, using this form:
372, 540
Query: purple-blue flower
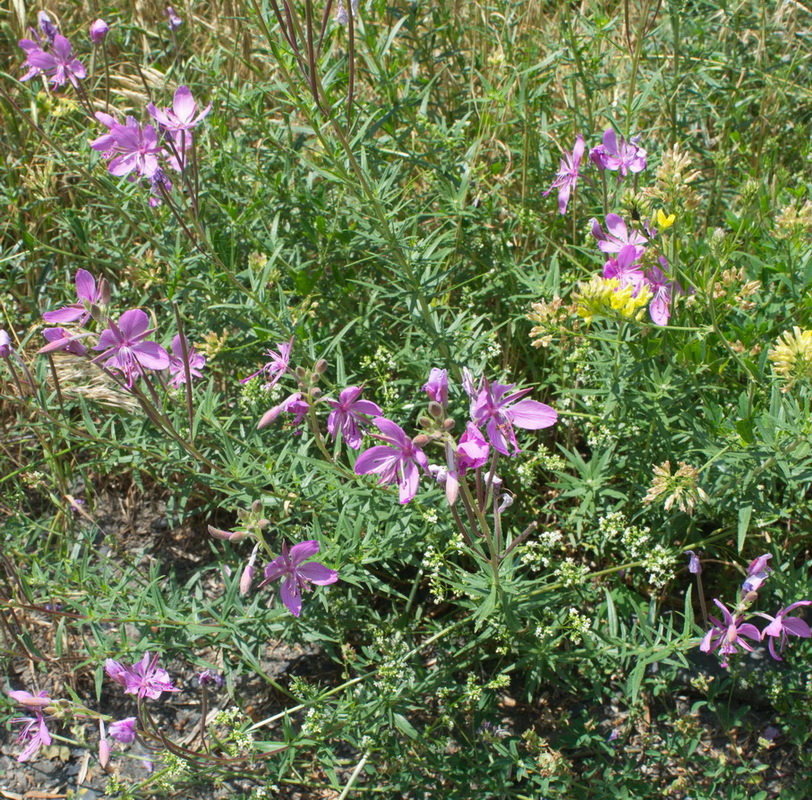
49, 30
398, 461
296, 575
694, 564
567, 177
757, 573
623, 157
351, 415
496, 407
174, 20
5, 344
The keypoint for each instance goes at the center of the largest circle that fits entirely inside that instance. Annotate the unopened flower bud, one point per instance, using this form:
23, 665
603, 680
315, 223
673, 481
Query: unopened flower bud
421, 440
248, 573
256, 506
315, 392
435, 409
448, 424
301, 373
98, 30
246, 579
104, 746
425, 422
5, 345
321, 367
227, 536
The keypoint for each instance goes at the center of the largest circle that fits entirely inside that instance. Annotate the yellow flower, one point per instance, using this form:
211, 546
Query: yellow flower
792, 355
664, 221
603, 297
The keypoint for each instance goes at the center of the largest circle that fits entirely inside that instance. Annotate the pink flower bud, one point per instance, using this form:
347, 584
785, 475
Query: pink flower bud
246, 579
104, 747
5, 345
226, 536
98, 30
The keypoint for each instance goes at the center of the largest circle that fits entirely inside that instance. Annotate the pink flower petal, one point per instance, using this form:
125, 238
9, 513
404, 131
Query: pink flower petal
302, 551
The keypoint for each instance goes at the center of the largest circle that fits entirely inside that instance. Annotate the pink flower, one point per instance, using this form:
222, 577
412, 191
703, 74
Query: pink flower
351, 415
196, 362
276, 367
624, 157
625, 267
295, 575
437, 386
660, 306
98, 30
183, 116
125, 349
35, 732
290, 405
567, 176
617, 235
782, 625
59, 65
472, 451
88, 295
496, 408
144, 678
123, 730
61, 339
129, 147
726, 636
398, 460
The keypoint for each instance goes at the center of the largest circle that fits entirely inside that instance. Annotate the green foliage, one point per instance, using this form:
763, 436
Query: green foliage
390, 221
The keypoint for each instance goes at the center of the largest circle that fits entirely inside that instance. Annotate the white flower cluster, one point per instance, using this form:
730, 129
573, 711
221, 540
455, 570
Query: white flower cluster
572, 574
577, 625
537, 553
660, 563
394, 675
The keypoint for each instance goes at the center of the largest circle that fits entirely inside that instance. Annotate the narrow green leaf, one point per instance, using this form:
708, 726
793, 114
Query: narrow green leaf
745, 512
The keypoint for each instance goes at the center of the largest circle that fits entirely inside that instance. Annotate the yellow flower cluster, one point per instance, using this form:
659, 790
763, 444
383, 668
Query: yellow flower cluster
603, 297
791, 355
